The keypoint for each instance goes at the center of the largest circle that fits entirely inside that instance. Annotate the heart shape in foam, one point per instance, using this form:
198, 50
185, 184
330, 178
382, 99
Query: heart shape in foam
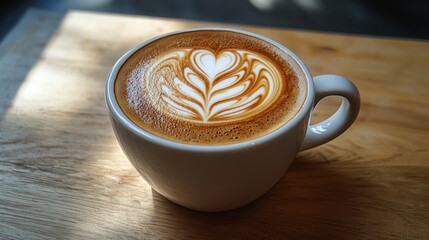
213, 65
214, 86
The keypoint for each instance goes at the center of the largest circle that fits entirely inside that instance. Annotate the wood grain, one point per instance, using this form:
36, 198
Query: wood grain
63, 175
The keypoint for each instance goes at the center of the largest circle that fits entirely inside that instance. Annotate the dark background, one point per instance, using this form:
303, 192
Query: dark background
404, 19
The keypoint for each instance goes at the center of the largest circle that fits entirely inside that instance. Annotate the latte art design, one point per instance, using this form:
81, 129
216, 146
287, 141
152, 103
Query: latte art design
212, 87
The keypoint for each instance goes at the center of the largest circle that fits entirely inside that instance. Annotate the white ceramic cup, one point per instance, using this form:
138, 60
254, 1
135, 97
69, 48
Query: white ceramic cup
219, 178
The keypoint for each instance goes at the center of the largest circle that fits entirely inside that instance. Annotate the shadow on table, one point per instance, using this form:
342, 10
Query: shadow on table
22, 48
312, 200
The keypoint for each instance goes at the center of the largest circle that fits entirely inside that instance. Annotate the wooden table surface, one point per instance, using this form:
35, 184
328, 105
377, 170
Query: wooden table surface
63, 175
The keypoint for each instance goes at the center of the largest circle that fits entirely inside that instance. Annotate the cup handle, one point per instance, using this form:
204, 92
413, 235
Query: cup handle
325, 131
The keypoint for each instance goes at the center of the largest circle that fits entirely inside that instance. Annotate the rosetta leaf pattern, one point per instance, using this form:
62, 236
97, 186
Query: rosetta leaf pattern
211, 87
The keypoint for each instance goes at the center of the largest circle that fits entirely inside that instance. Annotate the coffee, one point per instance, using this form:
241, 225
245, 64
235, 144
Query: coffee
210, 87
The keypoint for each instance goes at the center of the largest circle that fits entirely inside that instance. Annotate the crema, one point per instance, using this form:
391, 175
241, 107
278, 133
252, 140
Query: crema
210, 87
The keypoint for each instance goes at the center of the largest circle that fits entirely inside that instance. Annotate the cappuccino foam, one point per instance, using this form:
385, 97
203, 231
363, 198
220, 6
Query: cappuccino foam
209, 87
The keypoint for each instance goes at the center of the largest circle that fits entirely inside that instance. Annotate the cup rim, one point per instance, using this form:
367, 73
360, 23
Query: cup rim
117, 113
